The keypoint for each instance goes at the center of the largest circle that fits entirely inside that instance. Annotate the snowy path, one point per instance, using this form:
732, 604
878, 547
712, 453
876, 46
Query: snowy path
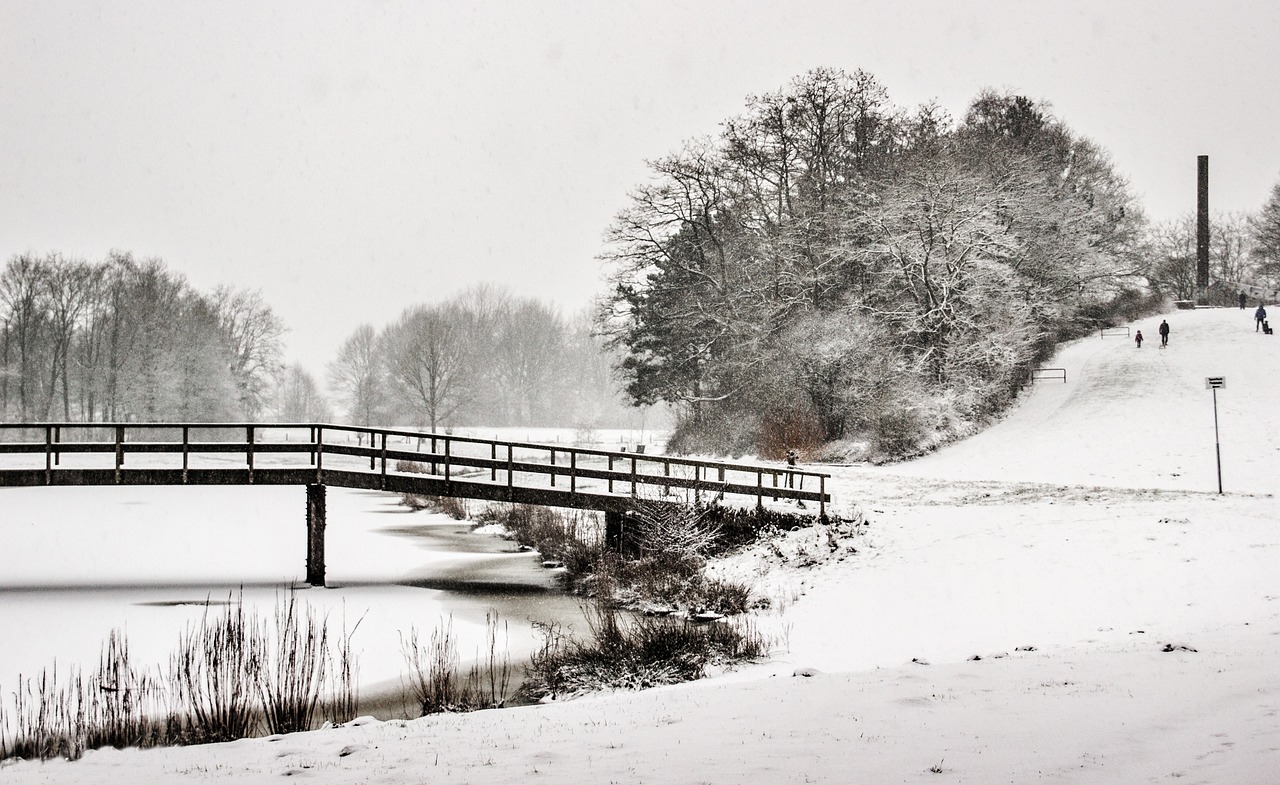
1126, 619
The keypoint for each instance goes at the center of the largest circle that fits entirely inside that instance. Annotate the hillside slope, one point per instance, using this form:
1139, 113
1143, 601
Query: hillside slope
1140, 418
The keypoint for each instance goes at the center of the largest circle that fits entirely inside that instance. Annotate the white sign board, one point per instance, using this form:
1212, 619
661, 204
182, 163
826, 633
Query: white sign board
1215, 382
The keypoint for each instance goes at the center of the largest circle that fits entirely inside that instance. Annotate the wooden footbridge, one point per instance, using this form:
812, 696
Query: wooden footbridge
400, 461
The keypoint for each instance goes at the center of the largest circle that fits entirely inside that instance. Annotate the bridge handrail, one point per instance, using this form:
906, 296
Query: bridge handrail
52, 447
425, 435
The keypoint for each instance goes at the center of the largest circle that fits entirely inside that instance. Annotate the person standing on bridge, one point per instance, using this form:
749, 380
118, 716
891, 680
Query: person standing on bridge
1259, 316
1164, 334
1138, 339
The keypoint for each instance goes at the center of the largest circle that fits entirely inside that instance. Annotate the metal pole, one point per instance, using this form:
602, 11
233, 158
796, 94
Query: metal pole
1217, 448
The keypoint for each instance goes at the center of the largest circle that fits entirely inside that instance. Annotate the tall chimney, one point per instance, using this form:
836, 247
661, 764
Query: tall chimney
1202, 229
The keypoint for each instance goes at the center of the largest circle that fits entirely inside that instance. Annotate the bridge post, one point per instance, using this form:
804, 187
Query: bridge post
119, 451
249, 450
613, 531
315, 534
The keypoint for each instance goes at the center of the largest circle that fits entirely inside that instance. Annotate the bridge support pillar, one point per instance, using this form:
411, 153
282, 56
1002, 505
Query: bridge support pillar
617, 538
613, 530
315, 534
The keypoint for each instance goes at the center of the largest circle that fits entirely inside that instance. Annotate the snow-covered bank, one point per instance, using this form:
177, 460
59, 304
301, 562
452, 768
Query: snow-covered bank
1148, 621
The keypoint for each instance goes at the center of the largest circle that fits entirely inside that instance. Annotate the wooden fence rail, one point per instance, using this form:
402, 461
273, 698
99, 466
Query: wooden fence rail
423, 457
401, 461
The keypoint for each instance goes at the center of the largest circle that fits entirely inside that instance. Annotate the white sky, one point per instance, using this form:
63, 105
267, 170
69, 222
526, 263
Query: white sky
350, 159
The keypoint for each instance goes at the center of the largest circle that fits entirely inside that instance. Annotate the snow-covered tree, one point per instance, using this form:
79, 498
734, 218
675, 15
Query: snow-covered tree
1266, 238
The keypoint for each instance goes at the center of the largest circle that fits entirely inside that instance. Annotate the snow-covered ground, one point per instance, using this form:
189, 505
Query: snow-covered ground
1062, 598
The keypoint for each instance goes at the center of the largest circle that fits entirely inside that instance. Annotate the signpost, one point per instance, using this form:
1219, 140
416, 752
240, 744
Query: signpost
1216, 383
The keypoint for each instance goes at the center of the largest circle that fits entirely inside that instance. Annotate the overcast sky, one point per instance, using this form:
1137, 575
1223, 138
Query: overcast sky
351, 159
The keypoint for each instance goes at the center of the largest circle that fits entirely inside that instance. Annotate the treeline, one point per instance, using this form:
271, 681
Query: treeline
125, 339
832, 268
484, 357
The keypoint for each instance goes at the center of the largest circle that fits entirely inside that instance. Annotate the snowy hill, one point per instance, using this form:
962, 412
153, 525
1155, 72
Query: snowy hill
1140, 418
1063, 598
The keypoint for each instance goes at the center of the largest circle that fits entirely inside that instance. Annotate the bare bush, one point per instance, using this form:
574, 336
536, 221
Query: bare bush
550, 532
635, 652
433, 668
294, 668
489, 679
231, 676
455, 508
674, 531
61, 718
214, 676
126, 705
344, 696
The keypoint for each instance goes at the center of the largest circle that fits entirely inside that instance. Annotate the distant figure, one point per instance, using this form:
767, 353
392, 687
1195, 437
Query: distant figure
791, 463
1138, 339
1164, 334
1242, 298
1258, 316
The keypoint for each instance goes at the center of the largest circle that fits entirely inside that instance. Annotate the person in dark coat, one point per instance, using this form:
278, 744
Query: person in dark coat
1164, 334
1138, 339
1258, 316
1242, 301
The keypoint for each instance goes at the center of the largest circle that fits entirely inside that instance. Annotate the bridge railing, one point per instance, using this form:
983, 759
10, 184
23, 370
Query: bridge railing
324, 447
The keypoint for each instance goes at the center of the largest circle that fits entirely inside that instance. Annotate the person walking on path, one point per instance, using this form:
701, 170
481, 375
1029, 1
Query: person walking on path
1242, 298
1164, 334
1258, 316
1138, 339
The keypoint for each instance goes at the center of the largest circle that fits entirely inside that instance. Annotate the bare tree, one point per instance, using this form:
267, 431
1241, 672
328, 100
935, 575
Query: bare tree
23, 293
1230, 242
71, 285
358, 376
527, 361
1265, 227
254, 334
428, 362
298, 398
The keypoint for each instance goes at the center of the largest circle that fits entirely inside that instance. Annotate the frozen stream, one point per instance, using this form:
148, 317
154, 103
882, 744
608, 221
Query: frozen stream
76, 563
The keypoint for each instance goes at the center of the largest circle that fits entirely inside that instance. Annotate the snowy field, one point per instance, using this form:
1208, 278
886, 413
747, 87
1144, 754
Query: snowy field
1063, 598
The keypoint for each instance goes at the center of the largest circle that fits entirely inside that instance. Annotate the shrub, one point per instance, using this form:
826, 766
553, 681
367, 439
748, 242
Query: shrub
634, 652
797, 428
551, 532
231, 676
455, 508
671, 541
294, 670
433, 670
898, 431
215, 676
115, 707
